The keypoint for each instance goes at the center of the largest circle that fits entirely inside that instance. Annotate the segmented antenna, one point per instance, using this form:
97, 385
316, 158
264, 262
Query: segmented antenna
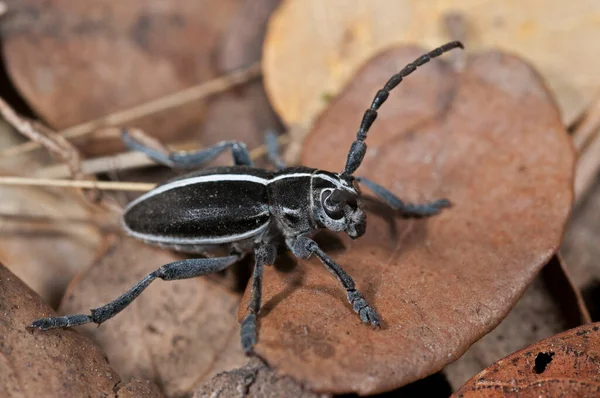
359, 148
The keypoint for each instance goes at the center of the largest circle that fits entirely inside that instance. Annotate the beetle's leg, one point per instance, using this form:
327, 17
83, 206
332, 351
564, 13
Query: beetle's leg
185, 159
408, 210
173, 271
263, 255
273, 150
303, 247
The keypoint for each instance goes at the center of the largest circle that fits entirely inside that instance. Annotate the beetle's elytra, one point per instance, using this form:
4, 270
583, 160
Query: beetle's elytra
242, 209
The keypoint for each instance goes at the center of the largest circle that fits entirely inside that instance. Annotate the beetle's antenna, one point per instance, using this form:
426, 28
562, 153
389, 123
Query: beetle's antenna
359, 148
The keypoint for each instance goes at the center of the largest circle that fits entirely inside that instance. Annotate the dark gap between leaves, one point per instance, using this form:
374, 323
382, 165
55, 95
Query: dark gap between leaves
591, 296
9, 92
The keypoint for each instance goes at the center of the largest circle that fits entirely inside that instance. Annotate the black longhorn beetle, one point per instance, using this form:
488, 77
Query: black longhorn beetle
243, 209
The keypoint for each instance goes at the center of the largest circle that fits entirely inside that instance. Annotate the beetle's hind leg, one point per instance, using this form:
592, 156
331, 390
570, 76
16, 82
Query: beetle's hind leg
304, 247
184, 159
182, 269
264, 255
273, 153
408, 210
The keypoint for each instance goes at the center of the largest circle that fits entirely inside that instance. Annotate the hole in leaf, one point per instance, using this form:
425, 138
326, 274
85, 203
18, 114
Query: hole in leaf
541, 361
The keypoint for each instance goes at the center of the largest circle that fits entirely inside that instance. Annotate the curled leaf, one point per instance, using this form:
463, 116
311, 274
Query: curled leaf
335, 39
59, 363
565, 365
490, 140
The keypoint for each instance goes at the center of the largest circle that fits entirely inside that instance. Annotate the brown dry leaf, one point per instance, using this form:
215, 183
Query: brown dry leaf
59, 363
550, 305
334, 39
489, 139
565, 365
137, 388
74, 62
177, 334
46, 237
254, 379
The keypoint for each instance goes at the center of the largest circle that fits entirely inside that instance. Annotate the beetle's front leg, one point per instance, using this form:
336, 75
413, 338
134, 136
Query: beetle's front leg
408, 210
264, 255
304, 247
184, 159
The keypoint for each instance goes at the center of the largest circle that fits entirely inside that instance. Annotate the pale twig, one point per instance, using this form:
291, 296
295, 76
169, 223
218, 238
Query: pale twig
103, 185
128, 160
108, 185
45, 137
182, 97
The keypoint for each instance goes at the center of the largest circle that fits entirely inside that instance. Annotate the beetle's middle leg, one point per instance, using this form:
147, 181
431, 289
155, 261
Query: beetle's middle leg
182, 269
185, 159
264, 255
408, 210
304, 247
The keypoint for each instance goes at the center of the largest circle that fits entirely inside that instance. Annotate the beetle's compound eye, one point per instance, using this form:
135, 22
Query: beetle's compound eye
332, 203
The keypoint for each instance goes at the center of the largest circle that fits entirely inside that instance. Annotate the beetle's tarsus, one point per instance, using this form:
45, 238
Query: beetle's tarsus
248, 333
366, 313
44, 324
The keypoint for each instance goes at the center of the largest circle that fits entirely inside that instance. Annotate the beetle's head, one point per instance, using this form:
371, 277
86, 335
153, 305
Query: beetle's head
338, 206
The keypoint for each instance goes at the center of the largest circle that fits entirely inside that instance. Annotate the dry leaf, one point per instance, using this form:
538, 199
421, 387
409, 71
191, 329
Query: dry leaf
59, 363
490, 140
253, 380
47, 237
565, 365
313, 48
137, 388
74, 62
177, 334
550, 305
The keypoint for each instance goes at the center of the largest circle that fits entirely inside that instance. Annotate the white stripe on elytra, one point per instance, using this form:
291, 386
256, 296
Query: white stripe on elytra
196, 180
194, 241
232, 177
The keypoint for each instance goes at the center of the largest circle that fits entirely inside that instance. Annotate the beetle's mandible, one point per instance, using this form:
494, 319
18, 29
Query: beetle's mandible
242, 209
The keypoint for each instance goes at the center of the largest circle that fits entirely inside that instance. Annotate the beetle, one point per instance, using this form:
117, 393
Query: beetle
241, 209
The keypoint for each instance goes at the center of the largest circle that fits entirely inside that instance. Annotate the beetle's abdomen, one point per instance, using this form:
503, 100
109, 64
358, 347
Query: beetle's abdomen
201, 210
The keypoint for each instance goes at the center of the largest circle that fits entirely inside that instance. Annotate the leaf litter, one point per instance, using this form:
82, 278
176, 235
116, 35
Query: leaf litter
177, 333
490, 139
59, 363
565, 365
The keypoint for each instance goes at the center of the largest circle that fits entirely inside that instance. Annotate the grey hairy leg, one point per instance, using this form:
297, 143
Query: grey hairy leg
304, 247
264, 255
273, 153
408, 210
181, 159
183, 269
